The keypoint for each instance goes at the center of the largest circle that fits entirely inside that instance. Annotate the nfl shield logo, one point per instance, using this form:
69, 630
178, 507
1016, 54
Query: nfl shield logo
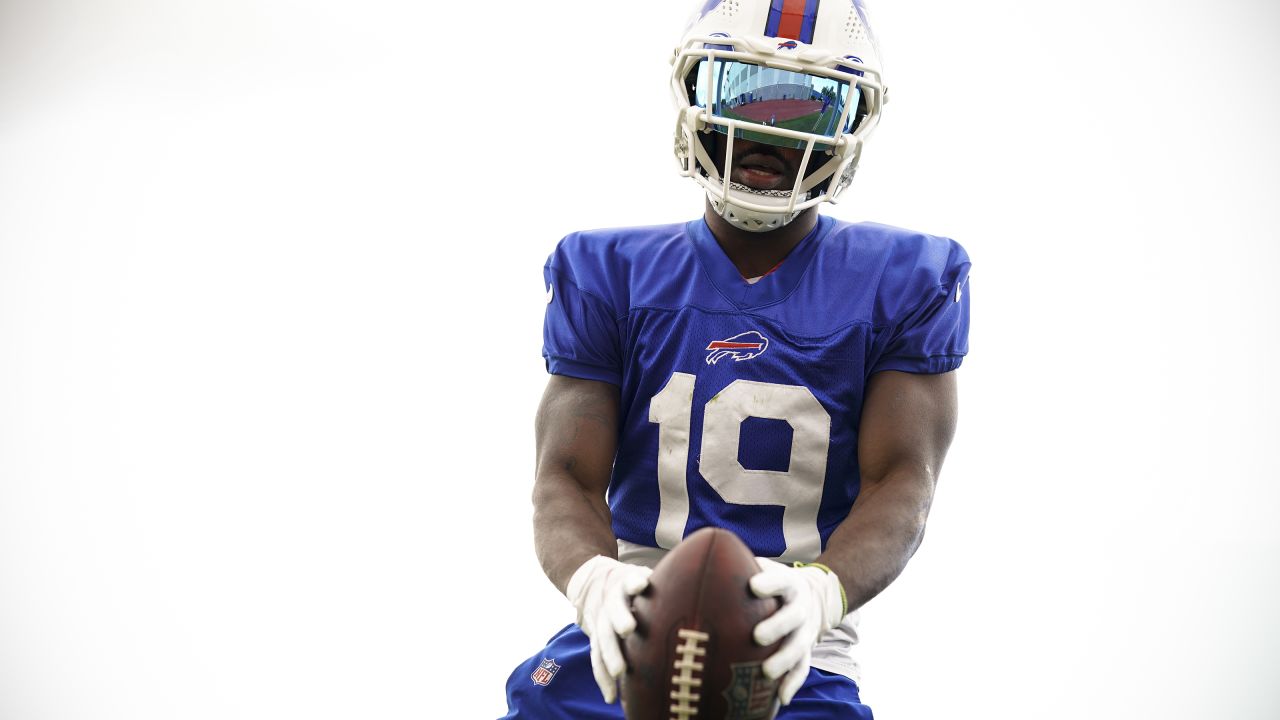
546, 672
750, 696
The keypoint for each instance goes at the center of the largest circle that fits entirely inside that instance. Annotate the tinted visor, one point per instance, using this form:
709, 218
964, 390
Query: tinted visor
770, 97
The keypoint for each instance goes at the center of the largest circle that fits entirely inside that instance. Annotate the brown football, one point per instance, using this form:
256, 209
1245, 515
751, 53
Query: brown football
692, 654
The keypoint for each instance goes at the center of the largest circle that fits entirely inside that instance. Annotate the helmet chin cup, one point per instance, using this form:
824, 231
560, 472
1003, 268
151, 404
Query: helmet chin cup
741, 208
746, 219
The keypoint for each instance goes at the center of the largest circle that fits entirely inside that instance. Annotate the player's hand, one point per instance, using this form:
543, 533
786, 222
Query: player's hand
812, 603
601, 590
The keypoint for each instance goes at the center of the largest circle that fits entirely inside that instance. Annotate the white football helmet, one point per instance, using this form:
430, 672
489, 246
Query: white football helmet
801, 74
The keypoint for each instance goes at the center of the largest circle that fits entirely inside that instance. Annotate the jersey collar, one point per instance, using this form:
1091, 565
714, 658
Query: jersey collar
772, 287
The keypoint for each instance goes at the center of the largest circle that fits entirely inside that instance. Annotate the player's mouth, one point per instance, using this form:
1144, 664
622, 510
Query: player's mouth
761, 171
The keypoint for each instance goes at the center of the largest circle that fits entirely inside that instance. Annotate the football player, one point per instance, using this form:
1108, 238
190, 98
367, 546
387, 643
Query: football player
764, 368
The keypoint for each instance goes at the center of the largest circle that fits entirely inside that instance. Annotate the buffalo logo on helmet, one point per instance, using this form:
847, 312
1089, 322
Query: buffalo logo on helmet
787, 45
742, 346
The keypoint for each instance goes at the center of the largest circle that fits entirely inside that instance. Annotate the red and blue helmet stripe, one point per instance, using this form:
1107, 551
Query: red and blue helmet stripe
792, 19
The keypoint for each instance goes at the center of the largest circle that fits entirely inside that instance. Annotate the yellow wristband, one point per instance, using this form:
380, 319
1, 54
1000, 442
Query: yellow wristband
844, 600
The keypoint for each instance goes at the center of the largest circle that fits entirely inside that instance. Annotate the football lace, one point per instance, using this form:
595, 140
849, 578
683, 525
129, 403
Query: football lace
688, 677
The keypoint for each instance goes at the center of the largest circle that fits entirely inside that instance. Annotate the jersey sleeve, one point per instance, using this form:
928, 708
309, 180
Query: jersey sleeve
931, 334
580, 336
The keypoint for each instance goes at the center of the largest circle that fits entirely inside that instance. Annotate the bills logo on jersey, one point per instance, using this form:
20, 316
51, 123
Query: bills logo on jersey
743, 346
546, 672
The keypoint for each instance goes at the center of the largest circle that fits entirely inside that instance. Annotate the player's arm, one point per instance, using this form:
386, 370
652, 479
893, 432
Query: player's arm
907, 424
577, 437
908, 421
576, 433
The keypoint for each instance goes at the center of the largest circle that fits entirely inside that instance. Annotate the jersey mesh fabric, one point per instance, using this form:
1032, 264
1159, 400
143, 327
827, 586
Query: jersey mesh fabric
637, 306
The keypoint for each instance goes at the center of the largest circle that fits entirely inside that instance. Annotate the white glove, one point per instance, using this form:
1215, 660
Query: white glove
601, 590
812, 602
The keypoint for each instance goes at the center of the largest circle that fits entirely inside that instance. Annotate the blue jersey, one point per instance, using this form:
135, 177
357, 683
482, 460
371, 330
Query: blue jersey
740, 402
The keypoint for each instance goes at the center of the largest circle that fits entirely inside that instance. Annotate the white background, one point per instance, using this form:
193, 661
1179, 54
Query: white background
270, 319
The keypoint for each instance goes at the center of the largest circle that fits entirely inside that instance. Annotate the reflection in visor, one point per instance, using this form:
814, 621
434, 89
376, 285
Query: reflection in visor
774, 98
